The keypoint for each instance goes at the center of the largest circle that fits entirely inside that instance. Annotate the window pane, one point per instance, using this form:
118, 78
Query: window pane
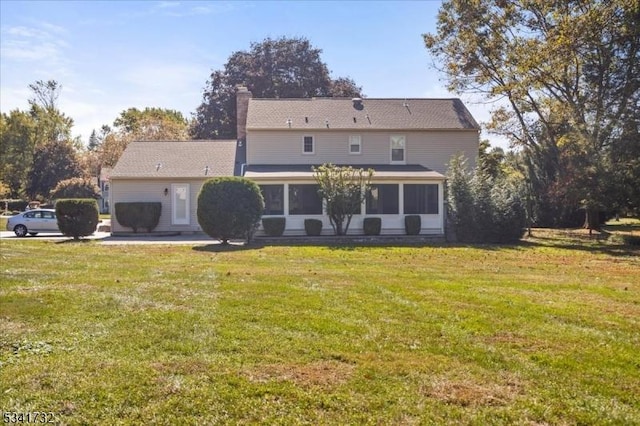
354, 144
273, 199
397, 147
383, 199
180, 206
421, 199
304, 199
397, 154
308, 144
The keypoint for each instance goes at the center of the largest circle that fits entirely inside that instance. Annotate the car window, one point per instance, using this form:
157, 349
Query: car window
37, 215
29, 215
48, 215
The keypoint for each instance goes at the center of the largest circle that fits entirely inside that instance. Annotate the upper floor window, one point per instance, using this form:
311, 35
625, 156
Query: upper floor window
398, 148
355, 145
307, 145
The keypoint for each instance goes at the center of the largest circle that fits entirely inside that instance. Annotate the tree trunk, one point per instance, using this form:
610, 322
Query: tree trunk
591, 220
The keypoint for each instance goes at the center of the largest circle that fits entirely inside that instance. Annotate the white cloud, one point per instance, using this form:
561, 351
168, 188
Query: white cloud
41, 43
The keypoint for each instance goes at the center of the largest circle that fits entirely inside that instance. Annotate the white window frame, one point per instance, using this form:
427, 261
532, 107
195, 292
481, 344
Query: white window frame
177, 189
393, 139
353, 141
313, 145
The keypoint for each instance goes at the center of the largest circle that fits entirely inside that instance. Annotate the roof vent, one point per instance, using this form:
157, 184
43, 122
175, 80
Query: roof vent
306, 119
289, 122
357, 103
406, 105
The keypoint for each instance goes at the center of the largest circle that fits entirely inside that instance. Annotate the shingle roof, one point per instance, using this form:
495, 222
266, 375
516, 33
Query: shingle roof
340, 113
270, 171
171, 159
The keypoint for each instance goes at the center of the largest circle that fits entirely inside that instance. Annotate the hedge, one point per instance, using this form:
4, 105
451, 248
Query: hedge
412, 224
313, 227
139, 215
372, 225
273, 226
230, 207
77, 217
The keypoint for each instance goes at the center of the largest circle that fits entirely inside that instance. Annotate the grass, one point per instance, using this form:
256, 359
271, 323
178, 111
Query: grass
546, 332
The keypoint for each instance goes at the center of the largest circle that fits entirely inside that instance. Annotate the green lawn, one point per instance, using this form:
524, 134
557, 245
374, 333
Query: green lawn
547, 332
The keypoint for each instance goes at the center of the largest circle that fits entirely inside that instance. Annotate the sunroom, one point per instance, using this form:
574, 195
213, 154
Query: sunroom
290, 192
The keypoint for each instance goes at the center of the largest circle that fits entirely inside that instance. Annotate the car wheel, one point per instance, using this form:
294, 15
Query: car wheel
33, 234
20, 230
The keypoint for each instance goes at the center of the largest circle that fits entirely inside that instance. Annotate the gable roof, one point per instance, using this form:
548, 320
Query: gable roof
374, 114
177, 159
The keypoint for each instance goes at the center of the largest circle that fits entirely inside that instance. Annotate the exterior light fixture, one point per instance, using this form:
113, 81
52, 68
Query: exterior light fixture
166, 192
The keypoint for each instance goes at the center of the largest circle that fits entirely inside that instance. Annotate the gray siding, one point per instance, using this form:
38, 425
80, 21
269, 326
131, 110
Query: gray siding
432, 149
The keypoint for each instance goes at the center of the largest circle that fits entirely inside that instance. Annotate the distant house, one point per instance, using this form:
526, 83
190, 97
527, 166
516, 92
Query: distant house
103, 184
407, 142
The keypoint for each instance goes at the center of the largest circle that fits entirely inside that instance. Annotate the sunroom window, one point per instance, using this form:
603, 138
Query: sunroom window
304, 199
273, 199
420, 198
383, 199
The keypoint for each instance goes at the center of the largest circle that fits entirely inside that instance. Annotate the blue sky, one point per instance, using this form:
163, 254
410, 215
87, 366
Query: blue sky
113, 55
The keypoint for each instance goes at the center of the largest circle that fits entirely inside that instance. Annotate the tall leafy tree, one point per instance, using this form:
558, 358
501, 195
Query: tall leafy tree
282, 67
25, 132
17, 144
52, 163
51, 123
149, 124
568, 71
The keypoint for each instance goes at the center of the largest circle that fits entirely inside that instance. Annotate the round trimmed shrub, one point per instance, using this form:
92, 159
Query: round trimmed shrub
230, 207
77, 217
372, 225
412, 224
313, 227
273, 226
75, 188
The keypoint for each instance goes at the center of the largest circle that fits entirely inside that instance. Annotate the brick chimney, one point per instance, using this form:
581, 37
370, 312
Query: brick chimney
242, 105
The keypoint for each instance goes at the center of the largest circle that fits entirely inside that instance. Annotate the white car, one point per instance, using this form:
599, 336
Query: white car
33, 221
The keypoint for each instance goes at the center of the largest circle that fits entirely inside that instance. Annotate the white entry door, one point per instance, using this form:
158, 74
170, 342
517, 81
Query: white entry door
180, 204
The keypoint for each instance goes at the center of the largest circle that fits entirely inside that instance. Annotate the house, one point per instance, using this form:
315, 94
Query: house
172, 173
103, 184
407, 142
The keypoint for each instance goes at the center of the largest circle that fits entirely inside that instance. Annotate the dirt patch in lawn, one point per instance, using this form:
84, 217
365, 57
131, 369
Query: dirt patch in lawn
319, 373
469, 392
